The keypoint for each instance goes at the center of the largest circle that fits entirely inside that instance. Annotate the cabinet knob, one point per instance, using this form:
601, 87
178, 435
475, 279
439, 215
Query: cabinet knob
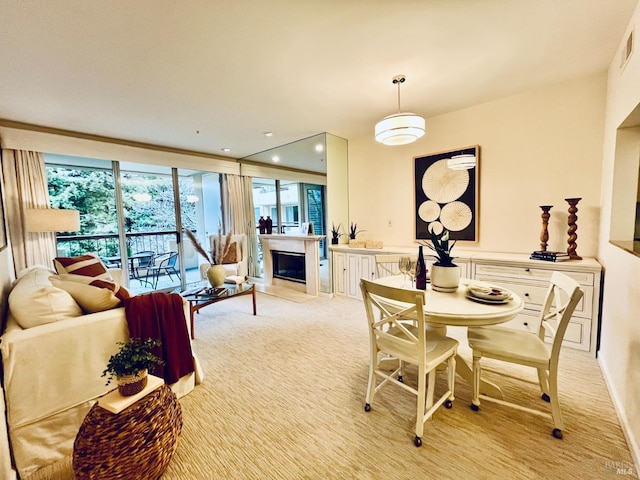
527, 270
526, 294
526, 324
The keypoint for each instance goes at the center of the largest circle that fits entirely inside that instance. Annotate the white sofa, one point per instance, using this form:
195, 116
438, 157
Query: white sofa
241, 266
52, 371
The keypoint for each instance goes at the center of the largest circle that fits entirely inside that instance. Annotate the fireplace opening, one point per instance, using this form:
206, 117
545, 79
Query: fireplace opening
289, 266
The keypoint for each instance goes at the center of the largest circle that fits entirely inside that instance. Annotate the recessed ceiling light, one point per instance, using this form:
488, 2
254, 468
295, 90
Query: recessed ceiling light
225, 149
268, 134
275, 158
319, 147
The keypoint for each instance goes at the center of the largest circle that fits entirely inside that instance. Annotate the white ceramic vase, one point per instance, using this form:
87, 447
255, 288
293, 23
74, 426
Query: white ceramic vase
216, 275
445, 279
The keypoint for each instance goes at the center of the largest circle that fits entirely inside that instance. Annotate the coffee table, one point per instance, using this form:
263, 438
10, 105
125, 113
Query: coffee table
203, 295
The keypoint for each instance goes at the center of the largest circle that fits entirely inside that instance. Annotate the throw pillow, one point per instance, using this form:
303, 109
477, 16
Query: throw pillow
92, 294
88, 265
33, 301
232, 254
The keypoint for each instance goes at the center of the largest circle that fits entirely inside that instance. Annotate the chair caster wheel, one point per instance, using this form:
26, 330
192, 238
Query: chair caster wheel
474, 407
448, 404
417, 441
400, 379
367, 407
546, 397
557, 433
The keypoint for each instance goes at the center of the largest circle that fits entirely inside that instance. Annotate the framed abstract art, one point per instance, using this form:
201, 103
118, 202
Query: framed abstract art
446, 198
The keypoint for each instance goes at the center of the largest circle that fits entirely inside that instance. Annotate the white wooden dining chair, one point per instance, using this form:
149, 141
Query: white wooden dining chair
387, 264
410, 343
529, 349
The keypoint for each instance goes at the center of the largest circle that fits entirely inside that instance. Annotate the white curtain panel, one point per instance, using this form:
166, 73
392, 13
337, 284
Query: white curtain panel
25, 186
252, 237
239, 213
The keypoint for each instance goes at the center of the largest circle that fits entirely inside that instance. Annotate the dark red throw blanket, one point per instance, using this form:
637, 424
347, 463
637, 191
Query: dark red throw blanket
161, 316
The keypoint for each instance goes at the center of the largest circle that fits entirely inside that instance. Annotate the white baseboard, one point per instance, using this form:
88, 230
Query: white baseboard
632, 441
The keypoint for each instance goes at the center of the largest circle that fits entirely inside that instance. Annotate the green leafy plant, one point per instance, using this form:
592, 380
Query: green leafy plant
353, 231
133, 356
440, 245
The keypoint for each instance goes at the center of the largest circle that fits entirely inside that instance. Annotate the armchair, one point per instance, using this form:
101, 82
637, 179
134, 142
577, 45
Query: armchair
241, 266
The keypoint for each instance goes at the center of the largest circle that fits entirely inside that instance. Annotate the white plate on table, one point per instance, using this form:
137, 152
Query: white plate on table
488, 292
488, 301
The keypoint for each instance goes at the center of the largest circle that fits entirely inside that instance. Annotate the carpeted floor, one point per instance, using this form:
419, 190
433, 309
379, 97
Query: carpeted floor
283, 399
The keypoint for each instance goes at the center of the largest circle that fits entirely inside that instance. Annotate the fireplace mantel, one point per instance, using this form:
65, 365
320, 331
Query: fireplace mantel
307, 244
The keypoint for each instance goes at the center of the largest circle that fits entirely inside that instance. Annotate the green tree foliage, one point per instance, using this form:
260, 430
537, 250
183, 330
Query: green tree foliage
92, 192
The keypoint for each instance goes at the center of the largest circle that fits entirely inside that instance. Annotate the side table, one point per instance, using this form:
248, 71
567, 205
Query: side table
135, 443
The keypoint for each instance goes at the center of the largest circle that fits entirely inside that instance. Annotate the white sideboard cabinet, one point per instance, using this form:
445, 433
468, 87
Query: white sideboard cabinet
348, 268
528, 278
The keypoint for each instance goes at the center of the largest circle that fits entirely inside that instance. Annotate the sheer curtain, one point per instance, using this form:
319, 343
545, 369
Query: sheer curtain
25, 186
239, 216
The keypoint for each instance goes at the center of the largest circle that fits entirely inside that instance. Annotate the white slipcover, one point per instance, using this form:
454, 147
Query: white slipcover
52, 375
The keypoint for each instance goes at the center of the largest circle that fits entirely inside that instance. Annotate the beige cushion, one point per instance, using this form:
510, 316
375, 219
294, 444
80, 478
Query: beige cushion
33, 301
93, 295
88, 265
232, 254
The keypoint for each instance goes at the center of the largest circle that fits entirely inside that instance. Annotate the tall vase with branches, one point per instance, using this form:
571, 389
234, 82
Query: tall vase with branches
215, 272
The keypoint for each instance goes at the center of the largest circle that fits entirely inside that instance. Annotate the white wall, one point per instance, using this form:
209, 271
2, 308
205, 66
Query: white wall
620, 337
537, 148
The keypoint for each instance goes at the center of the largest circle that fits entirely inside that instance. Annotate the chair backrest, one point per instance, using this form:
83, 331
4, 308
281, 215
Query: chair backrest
160, 260
387, 264
171, 260
563, 295
387, 311
146, 258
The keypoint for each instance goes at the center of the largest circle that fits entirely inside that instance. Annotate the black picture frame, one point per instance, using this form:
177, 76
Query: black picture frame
446, 198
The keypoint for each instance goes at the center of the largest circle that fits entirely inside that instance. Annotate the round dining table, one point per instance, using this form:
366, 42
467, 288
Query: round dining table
460, 309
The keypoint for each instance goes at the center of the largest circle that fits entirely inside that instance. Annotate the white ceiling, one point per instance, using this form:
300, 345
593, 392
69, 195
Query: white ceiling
204, 75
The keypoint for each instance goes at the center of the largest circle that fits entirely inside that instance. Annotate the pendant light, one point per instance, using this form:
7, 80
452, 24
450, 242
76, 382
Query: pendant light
462, 161
400, 128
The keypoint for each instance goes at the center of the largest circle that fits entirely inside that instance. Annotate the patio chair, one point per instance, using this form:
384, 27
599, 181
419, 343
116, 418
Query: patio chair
165, 264
144, 261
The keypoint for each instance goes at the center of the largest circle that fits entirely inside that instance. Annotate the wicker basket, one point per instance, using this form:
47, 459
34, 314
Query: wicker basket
135, 443
131, 384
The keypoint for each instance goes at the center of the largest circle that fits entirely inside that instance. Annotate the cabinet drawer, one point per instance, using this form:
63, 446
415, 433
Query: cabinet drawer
533, 293
578, 334
524, 321
528, 273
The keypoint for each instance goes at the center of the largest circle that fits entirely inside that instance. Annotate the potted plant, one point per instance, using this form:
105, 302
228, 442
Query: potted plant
214, 270
445, 275
335, 233
353, 233
130, 365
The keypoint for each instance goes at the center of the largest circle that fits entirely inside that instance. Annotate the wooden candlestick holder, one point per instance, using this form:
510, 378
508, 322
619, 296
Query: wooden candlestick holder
544, 235
573, 236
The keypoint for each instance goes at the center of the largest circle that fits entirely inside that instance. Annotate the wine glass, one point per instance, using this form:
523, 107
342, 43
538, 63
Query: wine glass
402, 265
412, 270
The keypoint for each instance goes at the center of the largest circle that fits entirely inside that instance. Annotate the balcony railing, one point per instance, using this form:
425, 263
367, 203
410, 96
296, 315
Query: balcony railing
108, 245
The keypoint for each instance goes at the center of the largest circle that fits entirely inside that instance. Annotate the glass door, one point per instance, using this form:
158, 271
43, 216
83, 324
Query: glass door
200, 213
149, 218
